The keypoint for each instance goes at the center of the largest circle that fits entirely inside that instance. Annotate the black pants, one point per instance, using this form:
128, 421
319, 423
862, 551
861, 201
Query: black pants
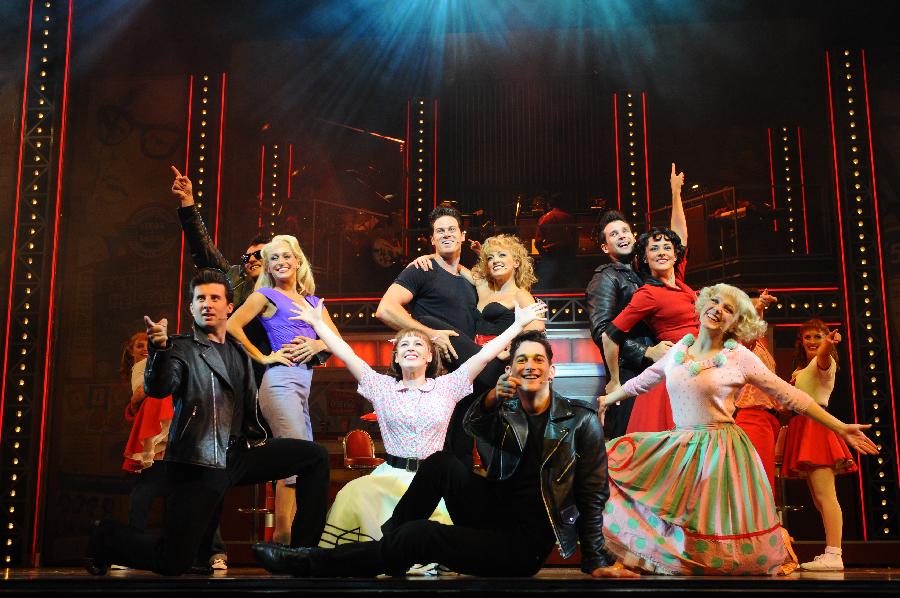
489, 538
152, 483
615, 422
457, 440
194, 504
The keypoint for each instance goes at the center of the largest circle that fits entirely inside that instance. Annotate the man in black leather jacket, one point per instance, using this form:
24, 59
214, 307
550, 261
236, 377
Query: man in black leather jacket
546, 484
608, 292
215, 442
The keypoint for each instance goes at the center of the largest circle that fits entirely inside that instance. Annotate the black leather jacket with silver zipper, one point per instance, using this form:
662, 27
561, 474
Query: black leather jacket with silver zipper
574, 483
191, 370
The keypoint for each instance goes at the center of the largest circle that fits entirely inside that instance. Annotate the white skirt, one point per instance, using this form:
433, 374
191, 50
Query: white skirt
363, 505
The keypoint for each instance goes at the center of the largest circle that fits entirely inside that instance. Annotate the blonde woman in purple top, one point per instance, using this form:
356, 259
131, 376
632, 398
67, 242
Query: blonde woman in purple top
286, 280
413, 411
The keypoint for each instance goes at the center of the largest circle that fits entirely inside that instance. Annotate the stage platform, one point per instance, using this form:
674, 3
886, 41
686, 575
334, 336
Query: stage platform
570, 581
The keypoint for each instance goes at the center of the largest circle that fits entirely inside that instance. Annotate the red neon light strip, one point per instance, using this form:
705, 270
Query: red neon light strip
434, 158
772, 176
406, 177
837, 193
48, 343
12, 258
616, 138
187, 163
887, 333
262, 171
646, 154
290, 168
803, 191
219, 174
801, 289
793, 325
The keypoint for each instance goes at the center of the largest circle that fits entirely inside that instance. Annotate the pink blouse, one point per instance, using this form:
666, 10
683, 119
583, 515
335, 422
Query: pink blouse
413, 421
708, 397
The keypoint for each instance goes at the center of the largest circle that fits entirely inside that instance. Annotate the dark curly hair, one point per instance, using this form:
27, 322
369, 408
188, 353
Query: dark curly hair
531, 336
440, 211
655, 234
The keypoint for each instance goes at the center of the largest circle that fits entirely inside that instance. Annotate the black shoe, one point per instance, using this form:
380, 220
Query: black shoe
94, 561
278, 558
201, 569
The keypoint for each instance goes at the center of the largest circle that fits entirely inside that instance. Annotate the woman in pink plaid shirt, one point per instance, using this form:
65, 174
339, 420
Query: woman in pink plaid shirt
413, 410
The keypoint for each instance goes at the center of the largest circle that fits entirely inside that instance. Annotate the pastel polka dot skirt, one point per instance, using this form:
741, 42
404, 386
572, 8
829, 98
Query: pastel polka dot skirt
692, 501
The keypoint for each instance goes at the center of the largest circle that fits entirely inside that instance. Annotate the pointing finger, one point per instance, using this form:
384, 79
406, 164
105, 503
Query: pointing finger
176, 171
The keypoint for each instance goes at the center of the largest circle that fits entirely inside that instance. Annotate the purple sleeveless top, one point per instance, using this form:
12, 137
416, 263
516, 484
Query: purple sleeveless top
279, 328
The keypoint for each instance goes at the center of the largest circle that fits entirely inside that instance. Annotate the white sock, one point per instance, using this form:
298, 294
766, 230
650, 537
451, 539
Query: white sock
833, 550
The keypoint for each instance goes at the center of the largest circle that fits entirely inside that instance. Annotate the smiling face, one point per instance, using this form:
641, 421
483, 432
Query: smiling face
138, 348
210, 307
719, 313
253, 266
532, 367
501, 264
811, 338
412, 352
618, 240
282, 263
660, 256
447, 237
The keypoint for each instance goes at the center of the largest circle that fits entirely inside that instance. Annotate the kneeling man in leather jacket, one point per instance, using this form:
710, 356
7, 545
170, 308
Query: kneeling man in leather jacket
546, 484
215, 441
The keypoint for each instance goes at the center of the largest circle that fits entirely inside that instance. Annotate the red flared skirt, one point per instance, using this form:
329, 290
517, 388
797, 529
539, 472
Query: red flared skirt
652, 412
810, 445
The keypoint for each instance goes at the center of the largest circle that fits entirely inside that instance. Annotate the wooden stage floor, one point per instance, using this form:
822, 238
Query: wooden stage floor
571, 581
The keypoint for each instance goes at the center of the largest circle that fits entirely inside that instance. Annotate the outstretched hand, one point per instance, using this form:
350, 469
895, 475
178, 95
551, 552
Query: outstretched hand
528, 314
307, 313
676, 181
854, 436
157, 332
182, 188
834, 337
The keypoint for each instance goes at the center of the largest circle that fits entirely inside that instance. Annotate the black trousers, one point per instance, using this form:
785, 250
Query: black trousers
457, 440
489, 538
615, 422
152, 483
194, 504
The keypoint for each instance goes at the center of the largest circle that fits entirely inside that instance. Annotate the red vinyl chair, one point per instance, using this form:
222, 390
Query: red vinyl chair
359, 451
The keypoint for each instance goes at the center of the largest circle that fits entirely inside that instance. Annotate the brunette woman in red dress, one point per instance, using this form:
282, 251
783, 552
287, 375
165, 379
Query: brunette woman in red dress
665, 303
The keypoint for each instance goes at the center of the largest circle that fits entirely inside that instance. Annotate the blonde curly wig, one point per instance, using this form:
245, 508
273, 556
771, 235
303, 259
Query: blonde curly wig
747, 324
524, 275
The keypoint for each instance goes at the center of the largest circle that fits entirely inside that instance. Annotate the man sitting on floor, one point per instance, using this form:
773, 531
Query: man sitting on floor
546, 482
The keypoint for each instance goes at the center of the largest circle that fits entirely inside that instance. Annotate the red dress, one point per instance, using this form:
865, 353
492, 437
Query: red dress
670, 314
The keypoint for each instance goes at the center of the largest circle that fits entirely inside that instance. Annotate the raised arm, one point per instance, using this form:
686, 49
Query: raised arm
678, 222
252, 307
203, 251
338, 346
790, 396
524, 299
524, 316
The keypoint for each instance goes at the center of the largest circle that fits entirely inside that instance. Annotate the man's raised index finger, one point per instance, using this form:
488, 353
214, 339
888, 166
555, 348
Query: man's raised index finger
176, 171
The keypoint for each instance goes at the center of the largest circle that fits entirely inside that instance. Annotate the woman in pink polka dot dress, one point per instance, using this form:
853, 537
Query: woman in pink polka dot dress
695, 500
413, 412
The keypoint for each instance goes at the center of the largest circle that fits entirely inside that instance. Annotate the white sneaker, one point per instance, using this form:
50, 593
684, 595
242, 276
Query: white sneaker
219, 564
825, 562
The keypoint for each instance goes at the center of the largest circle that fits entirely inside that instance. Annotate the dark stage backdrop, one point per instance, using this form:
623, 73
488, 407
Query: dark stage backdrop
119, 260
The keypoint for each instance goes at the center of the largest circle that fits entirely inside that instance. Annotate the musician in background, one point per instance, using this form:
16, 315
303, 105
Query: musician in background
557, 242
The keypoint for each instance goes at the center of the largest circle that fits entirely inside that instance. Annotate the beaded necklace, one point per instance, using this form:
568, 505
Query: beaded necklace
695, 367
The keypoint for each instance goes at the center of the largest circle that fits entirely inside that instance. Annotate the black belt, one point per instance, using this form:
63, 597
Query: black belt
407, 463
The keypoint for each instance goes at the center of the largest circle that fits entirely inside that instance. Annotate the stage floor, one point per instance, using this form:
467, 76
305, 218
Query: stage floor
253, 580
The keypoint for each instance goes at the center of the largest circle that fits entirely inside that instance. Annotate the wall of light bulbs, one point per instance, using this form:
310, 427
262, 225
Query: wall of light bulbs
28, 341
632, 168
867, 334
421, 166
788, 186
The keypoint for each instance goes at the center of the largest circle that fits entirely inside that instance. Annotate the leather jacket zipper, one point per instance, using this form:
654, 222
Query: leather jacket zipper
566, 469
553, 523
184, 429
212, 378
